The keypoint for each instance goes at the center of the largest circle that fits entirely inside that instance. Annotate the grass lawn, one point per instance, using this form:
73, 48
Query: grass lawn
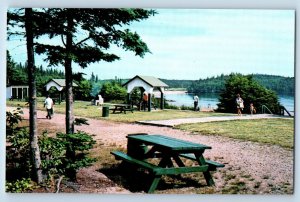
271, 131
85, 109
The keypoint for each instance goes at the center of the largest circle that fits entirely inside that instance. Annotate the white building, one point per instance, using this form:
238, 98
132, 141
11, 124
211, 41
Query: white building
146, 84
17, 92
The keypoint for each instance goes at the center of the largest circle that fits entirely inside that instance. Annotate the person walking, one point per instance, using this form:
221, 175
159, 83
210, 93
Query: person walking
239, 104
196, 102
145, 101
49, 106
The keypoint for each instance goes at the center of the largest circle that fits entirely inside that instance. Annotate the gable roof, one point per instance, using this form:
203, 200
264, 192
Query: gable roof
61, 82
150, 80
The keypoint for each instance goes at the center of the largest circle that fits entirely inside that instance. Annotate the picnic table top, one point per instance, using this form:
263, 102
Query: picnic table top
118, 105
169, 142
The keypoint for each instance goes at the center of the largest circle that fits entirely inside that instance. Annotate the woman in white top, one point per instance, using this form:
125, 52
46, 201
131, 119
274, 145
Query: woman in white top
239, 104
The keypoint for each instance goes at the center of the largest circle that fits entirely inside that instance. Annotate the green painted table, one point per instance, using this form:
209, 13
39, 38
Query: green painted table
121, 108
169, 151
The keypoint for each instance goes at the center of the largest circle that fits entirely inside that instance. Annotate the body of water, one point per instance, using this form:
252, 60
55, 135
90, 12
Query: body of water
211, 100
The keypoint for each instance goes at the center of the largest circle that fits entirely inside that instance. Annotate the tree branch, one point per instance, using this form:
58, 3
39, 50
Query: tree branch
83, 41
58, 183
62, 39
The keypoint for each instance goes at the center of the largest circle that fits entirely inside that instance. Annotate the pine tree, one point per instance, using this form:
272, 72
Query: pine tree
19, 18
104, 27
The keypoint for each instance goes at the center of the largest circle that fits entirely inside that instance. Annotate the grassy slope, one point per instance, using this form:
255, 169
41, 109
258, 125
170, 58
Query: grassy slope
270, 131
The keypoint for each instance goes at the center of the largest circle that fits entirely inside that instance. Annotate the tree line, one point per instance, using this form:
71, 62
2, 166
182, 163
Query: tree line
17, 74
278, 84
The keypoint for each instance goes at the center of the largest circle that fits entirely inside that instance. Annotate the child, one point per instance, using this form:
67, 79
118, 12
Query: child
252, 109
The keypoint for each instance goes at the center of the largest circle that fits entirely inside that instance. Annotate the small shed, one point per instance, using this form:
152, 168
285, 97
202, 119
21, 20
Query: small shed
146, 84
59, 84
17, 92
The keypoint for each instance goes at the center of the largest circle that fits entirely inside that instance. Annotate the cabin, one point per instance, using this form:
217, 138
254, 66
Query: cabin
60, 85
146, 84
19, 92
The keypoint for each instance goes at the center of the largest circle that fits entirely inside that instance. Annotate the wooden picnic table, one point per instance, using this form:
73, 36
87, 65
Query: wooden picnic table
170, 152
121, 108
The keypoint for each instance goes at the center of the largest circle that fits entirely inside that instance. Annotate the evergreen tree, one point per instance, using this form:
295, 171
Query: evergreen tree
104, 27
34, 147
26, 19
92, 79
84, 88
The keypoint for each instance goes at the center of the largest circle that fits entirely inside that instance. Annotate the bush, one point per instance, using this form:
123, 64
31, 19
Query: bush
77, 143
18, 146
113, 91
53, 151
250, 91
19, 186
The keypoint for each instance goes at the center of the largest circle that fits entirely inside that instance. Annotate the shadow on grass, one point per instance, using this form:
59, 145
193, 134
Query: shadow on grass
138, 180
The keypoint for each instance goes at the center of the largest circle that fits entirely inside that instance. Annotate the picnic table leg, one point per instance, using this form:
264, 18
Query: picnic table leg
207, 175
166, 162
154, 184
178, 161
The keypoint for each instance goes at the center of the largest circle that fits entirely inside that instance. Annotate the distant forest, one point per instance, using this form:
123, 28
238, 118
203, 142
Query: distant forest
279, 84
17, 75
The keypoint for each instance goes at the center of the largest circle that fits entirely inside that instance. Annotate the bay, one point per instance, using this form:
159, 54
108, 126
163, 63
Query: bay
210, 100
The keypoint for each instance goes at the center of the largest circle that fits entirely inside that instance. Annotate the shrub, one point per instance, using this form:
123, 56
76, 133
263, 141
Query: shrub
53, 150
18, 146
19, 186
77, 143
113, 91
250, 91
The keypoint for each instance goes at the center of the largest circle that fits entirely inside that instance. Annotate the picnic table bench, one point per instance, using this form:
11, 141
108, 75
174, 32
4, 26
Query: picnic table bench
121, 108
143, 147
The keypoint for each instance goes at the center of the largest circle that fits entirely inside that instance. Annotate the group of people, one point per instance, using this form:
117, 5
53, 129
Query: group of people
48, 104
240, 105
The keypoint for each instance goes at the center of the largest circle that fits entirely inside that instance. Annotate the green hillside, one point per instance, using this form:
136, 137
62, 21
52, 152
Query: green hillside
279, 84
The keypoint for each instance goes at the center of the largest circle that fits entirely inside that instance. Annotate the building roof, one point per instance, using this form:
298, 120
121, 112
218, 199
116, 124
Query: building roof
61, 82
150, 80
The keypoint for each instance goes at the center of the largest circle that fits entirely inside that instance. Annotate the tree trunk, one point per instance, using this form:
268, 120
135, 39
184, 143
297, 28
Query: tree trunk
34, 147
69, 76
70, 153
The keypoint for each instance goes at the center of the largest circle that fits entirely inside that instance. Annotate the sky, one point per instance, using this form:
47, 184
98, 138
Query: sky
199, 43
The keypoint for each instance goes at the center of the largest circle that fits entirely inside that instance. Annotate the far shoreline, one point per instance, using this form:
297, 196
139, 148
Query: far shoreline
175, 92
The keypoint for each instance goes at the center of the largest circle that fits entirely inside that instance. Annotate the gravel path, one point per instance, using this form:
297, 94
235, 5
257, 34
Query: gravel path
262, 168
173, 122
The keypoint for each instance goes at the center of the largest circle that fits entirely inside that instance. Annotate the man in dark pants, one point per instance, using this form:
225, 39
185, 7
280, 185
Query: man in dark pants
49, 106
196, 102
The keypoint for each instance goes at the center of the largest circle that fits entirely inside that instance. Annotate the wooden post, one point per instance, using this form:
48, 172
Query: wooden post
162, 104
128, 98
149, 102
59, 97
142, 92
